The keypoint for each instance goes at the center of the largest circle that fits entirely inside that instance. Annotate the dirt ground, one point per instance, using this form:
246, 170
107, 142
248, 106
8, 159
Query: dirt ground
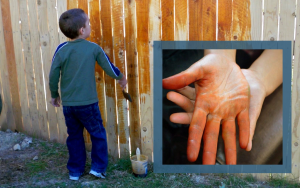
40, 163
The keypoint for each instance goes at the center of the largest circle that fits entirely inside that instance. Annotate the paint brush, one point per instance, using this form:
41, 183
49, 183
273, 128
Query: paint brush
126, 95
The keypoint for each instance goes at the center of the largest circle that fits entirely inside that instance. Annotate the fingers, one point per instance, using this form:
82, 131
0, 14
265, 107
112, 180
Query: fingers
195, 134
210, 139
244, 128
181, 101
184, 78
229, 137
188, 91
181, 118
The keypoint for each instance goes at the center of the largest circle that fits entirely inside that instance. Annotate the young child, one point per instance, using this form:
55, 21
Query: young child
75, 61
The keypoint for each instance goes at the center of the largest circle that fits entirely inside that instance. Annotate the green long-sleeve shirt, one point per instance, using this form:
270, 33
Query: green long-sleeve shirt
75, 61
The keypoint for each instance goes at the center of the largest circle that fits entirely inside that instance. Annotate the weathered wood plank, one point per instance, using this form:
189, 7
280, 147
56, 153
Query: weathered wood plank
83, 4
209, 20
111, 124
241, 23
296, 101
271, 9
224, 20
167, 12
181, 21
11, 66
29, 73
72, 4
8, 120
195, 20
61, 8
50, 129
132, 74
142, 15
256, 19
119, 60
15, 24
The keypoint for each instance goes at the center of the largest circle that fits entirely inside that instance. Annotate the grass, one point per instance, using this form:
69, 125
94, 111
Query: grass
279, 181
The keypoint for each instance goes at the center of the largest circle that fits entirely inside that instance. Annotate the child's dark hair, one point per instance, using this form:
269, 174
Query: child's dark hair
71, 21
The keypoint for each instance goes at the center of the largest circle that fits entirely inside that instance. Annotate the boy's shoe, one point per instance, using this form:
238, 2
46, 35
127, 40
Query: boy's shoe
98, 174
75, 178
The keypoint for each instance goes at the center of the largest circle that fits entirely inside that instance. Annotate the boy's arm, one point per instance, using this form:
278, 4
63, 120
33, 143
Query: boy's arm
107, 66
54, 76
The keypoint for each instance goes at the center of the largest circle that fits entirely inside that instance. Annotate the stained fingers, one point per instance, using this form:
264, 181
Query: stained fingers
229, 137
244, 128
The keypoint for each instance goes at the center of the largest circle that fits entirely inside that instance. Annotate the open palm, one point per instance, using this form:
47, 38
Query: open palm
221, 94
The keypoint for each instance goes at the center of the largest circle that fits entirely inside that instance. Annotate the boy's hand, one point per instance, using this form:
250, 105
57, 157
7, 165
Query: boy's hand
123, 82
55, 101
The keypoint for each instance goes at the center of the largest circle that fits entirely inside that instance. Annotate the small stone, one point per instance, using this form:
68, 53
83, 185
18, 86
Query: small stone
8, 131
24, 145
28, 140
35, 158
172, 177
17, 147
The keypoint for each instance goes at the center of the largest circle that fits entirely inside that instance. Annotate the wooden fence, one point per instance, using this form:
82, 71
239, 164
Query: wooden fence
126, 30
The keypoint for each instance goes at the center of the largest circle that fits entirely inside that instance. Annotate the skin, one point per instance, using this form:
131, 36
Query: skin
261, 80
84, 33
221, 95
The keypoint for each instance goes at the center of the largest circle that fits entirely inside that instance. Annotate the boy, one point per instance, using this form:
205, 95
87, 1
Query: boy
75, 62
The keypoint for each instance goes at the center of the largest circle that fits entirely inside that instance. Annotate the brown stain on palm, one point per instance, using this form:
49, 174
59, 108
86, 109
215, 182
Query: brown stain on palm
195, 20
224, 20
241, 20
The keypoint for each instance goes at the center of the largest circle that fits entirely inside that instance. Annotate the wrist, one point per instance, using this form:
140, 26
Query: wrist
229, 54
253, 77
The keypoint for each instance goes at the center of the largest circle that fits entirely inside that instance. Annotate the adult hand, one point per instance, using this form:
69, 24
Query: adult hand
222, 94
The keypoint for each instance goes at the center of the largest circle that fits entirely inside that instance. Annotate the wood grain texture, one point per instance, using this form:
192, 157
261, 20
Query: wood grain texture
50, 129
8, 120
107, 44
83, 4
224, 20
241, 23
256, 19
195, 20
96, 37
29, 70
17, 44
72, 4
11, 66
181, 21
296, 102
142, 14
209, 20
119, 60
287, 19
62, 128
167, 11
132, 74
271, 9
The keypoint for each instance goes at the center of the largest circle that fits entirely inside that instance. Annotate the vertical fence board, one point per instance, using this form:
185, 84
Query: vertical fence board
142, 15
53, 42
96, 37
287, 19
296, 102
256, 19
270, 20
107, 45
51, 128
241, 24
15, 18
209, 20
132, 74
27, 59
155, 35
72, 4
119, 60
61, 8
224, 20
195, 20
167, 11
11, 66
83, 4
181, 22
7, 113
36, 58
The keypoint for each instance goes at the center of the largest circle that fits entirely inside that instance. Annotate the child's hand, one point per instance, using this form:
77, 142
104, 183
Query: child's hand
122, 82
55, 101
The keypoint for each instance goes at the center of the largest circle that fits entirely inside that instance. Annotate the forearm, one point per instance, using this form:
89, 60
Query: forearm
230, 54
268, 69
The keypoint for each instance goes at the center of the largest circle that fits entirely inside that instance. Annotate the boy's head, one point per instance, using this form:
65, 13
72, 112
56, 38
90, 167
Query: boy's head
74, 23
